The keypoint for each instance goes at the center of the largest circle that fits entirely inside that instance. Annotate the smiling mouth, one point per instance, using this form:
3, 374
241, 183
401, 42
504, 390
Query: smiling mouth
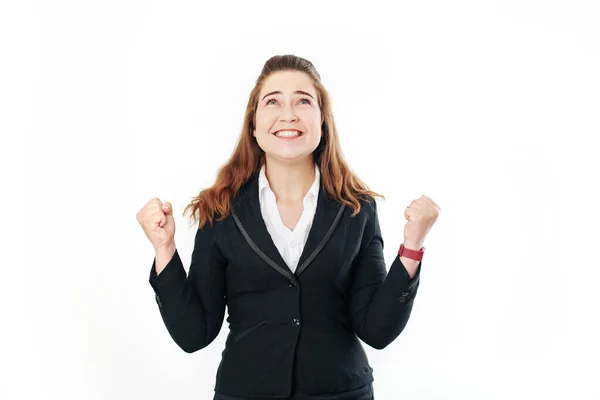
286, 134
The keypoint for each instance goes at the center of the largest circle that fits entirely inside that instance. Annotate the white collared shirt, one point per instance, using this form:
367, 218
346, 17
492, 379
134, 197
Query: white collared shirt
290, 244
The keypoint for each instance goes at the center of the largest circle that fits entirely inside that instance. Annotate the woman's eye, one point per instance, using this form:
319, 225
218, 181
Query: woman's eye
306, 100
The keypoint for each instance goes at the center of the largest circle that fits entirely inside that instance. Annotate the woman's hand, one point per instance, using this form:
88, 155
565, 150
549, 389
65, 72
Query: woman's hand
157, 221
421, 215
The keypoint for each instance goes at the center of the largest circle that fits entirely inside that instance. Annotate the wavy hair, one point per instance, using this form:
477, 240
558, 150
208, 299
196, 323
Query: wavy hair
339, 182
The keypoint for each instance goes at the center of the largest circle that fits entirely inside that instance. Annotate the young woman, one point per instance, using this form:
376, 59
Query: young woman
289, 240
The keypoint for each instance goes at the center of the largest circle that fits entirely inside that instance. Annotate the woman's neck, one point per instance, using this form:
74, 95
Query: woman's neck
290, 181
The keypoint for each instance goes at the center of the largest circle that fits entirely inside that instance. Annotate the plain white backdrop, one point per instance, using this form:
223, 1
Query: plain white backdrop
491, 108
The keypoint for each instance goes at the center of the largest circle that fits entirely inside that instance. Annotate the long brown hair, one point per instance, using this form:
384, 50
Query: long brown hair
339, 181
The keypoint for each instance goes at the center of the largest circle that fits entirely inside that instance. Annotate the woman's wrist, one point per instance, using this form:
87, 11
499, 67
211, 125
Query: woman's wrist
413, 245
163, 256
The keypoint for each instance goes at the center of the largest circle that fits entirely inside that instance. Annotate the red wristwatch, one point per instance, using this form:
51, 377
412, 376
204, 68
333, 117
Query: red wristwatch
412, 254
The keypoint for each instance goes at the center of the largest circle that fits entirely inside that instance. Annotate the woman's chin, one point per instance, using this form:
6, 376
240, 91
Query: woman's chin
289, 155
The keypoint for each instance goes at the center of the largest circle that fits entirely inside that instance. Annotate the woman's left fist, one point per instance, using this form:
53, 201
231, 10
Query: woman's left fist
421, 215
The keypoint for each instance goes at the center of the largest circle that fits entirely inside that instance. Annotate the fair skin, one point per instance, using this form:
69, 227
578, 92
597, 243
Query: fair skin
288, 101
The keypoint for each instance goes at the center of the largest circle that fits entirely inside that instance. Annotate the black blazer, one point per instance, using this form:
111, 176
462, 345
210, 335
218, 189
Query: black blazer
289, 332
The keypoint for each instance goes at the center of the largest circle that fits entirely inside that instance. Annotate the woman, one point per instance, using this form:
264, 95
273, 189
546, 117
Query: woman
289, 240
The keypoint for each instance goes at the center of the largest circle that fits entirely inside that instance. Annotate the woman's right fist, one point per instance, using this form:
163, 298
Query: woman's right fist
156, 218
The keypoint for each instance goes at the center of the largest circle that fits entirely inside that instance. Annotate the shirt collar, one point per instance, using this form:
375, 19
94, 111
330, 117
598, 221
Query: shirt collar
263, 182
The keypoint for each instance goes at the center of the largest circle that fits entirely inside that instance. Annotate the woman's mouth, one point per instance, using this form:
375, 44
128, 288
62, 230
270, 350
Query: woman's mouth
288, 134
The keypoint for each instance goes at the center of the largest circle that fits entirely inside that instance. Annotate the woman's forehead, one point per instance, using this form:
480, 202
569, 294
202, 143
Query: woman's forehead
288, 82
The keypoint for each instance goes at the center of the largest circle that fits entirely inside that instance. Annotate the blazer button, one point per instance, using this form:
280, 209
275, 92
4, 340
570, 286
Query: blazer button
296, 322
158, 301
404, 294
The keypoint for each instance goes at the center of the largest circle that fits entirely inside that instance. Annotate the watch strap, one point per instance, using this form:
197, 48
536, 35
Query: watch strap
412, 254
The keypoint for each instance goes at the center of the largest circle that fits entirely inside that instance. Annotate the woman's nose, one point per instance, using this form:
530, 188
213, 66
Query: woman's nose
288, 114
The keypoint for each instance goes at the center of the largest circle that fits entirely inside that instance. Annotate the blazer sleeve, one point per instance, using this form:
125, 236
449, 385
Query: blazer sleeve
193, 307
380, 302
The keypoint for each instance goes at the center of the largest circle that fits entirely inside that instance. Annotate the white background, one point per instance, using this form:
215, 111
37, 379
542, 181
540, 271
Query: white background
492, 109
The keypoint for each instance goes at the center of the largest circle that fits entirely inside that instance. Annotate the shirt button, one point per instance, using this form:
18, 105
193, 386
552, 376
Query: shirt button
296, 322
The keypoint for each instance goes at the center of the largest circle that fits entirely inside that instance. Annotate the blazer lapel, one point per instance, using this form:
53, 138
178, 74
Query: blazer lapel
247, 216
327, 217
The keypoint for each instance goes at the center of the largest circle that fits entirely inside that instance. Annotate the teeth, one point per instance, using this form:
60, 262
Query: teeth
287, 133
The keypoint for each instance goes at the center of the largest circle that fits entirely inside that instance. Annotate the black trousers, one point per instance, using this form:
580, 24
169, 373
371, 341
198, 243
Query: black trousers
362, 393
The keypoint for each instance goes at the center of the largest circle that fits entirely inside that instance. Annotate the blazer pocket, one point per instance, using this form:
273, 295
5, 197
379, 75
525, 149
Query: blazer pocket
249, 330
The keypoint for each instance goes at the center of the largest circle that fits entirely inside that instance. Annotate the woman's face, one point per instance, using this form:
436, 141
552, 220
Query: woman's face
287, 103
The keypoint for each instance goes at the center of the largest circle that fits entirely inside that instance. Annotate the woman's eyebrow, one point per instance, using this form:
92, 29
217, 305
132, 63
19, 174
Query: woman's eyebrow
296, 92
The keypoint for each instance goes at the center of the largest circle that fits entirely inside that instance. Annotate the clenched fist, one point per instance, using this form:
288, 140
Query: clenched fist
421, 215
157, 221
